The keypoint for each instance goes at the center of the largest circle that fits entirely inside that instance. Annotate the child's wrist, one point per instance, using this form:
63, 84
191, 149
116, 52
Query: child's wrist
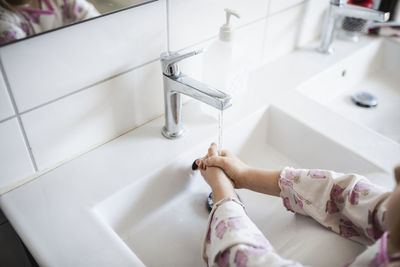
222, 182
223, 189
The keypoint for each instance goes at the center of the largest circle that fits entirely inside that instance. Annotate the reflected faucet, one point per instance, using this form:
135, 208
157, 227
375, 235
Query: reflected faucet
339, 8
177, 83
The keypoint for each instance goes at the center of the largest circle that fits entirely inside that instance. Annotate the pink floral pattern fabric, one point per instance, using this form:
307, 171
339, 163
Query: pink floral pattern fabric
52, 14
352, 207
340, 194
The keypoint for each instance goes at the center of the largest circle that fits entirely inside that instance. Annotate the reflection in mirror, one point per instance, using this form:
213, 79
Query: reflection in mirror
23, 18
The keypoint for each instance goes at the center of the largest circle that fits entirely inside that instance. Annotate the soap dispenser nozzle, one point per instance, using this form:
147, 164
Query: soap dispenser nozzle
229, 13
225, 32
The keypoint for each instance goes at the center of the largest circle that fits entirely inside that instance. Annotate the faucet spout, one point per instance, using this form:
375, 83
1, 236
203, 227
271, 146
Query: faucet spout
362, 13
175, 84
200, 91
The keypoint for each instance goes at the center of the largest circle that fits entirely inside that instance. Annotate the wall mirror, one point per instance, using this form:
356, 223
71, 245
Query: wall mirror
20, 19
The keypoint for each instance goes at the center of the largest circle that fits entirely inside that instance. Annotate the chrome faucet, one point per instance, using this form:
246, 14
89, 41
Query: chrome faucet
339, 8
177, 83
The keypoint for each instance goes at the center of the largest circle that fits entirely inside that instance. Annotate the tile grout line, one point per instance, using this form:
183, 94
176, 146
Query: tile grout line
87, 87
198, 43
265, 34
288, 8
168, 25
76, 91
18, 116
8, 118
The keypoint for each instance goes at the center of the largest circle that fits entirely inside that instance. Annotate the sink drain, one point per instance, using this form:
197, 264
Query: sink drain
210, 202
364, 99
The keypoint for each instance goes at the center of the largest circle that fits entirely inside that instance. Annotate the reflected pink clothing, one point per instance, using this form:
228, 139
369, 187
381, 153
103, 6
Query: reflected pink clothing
348, 204
53, 14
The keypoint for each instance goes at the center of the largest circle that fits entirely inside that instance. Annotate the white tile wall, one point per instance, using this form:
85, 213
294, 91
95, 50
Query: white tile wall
73, 125
281, 5
61, 62
59, 80
249, 42
283, 32
192, 21
15, 163
6, 109
312, 19
248, 47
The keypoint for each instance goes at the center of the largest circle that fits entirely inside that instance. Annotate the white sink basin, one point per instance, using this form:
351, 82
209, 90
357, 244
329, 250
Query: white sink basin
162, 216
374, 69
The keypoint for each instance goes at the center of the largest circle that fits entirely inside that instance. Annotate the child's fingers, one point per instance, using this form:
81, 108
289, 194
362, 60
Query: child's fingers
199, 163
397, 174
226, 153
212, 150
216, 161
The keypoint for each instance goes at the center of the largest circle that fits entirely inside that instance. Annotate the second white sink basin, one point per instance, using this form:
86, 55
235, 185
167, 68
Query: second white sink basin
373, 69
162, 216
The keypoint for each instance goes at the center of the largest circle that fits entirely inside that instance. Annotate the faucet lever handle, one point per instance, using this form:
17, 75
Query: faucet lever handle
169, 60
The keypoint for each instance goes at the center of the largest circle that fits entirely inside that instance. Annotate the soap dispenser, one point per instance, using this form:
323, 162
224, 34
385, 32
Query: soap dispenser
222, 67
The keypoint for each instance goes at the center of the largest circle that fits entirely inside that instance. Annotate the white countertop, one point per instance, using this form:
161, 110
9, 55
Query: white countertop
54, 214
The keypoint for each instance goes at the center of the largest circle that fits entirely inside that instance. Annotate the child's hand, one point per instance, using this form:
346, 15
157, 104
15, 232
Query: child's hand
215, 177
220, 184
233, 167
212, 175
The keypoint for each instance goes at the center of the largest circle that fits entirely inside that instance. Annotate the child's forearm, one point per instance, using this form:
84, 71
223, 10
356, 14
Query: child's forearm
223, 189
263, 181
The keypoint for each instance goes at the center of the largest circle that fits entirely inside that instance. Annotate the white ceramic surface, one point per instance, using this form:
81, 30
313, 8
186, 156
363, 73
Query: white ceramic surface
58, 132
174, 218
15, 163
6, 109
374, 69
105, 207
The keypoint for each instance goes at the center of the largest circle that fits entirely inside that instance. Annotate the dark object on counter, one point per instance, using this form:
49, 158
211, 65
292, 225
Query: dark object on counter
389, 6
194, 165
210, 202
364, 99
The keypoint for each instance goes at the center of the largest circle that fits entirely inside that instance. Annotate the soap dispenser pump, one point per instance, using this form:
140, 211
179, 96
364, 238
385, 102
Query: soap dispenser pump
222, 68
225, 32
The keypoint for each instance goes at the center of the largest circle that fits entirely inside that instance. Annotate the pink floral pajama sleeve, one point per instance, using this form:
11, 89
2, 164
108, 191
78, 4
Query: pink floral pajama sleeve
348, 204
233, 239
